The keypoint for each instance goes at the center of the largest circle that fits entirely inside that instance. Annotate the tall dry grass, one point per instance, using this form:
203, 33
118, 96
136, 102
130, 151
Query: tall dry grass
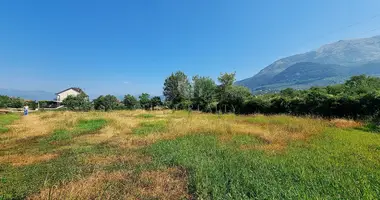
21, 145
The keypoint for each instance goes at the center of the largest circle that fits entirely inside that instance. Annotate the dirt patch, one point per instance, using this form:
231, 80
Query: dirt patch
133, 159
165, 184
22, 160
87, 188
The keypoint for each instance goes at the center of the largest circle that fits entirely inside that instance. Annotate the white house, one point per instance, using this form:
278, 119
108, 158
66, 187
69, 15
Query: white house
70, 91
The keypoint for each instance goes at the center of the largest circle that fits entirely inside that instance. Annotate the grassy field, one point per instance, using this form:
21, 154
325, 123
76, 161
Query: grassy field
181, 155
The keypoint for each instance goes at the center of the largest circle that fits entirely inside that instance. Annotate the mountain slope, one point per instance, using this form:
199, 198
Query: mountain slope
307, 71
345, 53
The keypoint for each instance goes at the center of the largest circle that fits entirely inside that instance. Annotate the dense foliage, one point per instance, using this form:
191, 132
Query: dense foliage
357, 98
106, 103
130, 102
10, 102
177, 90
79, 102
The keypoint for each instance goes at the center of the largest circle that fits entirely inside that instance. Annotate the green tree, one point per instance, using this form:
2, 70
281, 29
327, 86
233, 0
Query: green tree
288, 92
106, 103
130, 102
226, 82
362, 84
204, 89
145, 101
227, 79
156, 101
234, 98
177, 88
79, 102
4, 101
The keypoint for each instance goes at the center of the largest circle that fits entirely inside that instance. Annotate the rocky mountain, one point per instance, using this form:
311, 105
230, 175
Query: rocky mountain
330, 64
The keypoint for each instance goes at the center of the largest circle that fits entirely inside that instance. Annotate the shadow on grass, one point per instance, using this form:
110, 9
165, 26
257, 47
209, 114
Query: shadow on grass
370, 127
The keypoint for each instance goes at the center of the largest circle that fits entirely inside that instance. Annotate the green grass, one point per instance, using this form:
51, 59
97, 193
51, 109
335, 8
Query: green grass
18, 182
335, 164
82, 127
6, 119
150, 127
145, 115
60, 134
89, 126
340, 164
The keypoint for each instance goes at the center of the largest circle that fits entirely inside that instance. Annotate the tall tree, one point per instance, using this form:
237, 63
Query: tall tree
226, 82
227, 79
233, 98
145, 100
156, 101
177, 88
106, 103
204, 89
130, 102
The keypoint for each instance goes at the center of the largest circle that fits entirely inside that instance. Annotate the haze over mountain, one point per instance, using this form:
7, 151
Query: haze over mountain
330, 64
29, 95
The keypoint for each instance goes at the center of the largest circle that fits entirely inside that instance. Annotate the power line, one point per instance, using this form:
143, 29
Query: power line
353, 24
346, 27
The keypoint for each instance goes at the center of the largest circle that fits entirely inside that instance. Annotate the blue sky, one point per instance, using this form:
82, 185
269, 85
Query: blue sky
121, 47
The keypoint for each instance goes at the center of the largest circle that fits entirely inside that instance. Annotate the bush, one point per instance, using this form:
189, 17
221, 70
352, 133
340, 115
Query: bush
107, 103
79, 102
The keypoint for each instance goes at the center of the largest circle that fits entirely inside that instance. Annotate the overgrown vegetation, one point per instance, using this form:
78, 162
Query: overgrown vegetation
187, 155
357, 98
326, 169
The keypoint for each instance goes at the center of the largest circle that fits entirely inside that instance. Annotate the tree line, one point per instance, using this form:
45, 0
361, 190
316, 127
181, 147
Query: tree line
82, 102
109, 102
15, 102
357, 98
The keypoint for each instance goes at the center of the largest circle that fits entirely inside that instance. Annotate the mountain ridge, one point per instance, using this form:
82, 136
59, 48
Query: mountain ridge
345, 53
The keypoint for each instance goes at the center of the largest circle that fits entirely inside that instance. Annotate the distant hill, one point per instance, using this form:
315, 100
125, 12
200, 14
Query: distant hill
330, 64
29, 95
